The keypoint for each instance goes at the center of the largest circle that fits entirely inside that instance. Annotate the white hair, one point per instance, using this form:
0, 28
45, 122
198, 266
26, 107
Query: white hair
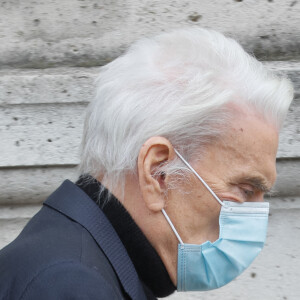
174, 85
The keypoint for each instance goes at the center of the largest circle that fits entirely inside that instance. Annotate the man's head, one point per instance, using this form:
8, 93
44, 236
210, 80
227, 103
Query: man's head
185, 86
200, 93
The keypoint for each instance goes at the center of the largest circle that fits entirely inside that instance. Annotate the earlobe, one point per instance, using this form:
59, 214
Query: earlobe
155, 152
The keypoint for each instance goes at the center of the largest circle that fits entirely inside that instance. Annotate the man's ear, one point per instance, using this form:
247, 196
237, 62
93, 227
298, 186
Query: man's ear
154, 152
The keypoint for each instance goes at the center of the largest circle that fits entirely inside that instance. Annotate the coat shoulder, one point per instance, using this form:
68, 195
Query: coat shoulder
69, 280
53, 245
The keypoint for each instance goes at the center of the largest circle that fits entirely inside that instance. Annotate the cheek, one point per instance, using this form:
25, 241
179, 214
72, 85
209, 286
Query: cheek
195, 213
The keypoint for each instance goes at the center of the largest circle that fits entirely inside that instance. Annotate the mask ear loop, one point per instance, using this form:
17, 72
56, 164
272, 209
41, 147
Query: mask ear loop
172, 226
199, 177
203, 182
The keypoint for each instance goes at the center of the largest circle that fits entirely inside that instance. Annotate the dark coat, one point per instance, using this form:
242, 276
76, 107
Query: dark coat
68, 250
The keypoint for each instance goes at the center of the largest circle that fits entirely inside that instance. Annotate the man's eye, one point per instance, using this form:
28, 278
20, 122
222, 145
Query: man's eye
247, 190
248, 193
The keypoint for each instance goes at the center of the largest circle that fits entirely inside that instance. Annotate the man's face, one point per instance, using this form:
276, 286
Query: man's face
240, 167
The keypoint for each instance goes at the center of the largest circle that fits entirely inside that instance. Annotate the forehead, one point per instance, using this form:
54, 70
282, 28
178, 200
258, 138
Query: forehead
254, 135
247, 149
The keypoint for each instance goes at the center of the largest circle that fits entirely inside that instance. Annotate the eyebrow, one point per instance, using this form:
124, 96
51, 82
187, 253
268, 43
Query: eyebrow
257, 182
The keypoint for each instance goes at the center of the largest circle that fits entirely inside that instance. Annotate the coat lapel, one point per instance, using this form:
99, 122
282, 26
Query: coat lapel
71, 201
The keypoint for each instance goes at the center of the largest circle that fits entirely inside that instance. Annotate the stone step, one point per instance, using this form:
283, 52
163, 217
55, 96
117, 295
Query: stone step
88, 33
273, 275
56, 85
32, 184
12, 212
12, 219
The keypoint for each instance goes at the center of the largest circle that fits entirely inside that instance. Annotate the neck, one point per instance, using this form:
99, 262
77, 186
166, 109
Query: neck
153, 224
149, 264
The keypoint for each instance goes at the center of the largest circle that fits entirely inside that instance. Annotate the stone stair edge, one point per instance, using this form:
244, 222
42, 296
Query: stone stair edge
284, 65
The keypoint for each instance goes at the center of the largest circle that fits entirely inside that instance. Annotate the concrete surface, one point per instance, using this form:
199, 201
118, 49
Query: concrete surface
32, 184
87, 33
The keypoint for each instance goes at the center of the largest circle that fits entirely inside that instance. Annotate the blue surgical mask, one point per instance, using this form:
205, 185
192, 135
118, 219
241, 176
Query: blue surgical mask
242, 234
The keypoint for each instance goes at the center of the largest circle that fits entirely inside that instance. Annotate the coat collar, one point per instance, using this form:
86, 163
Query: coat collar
71, 201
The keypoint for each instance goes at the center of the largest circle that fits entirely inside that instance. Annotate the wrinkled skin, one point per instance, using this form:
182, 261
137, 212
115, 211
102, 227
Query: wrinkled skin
239, 167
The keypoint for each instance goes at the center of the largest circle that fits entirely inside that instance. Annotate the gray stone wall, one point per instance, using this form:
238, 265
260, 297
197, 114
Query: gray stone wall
50, 53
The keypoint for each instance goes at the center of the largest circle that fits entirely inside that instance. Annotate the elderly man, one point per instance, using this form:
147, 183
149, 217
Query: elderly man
179, 148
